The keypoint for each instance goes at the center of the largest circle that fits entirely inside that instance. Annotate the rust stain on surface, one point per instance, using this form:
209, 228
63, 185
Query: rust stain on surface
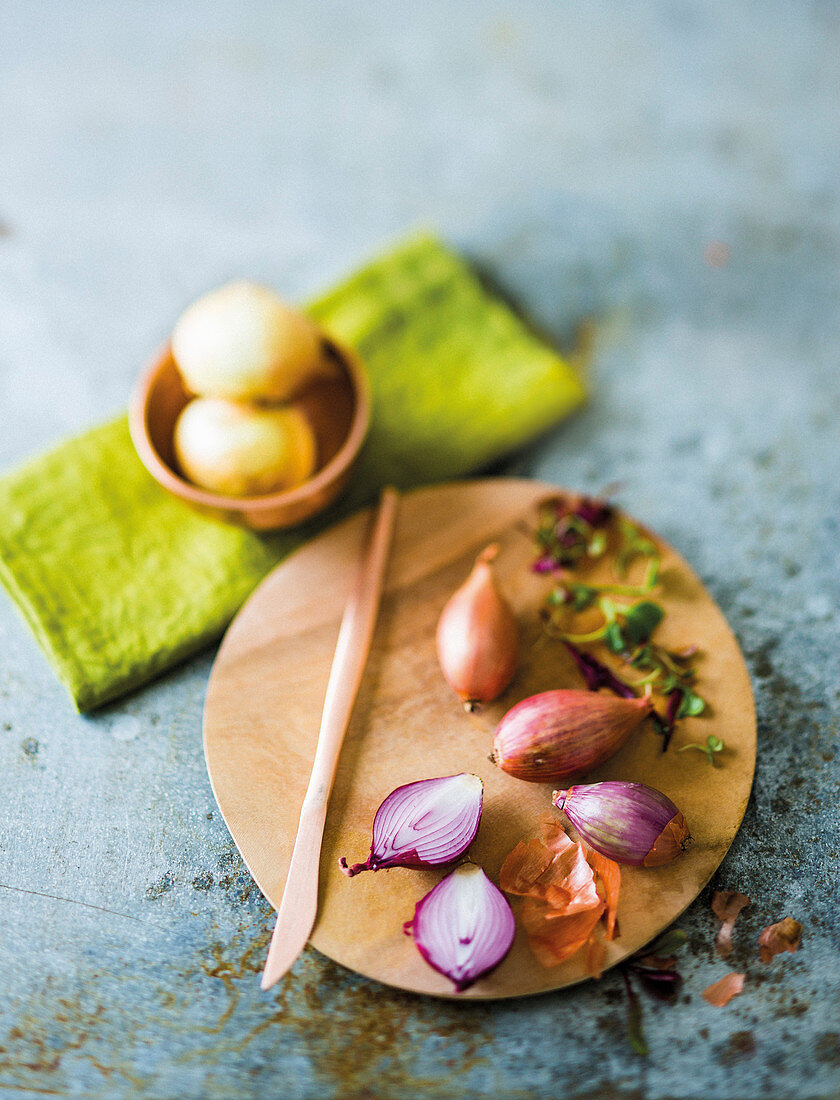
357, 1034
27, 1050
46, 1036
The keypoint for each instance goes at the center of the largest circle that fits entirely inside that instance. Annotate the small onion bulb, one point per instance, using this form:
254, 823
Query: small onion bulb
244, 450
477, 636
243, 342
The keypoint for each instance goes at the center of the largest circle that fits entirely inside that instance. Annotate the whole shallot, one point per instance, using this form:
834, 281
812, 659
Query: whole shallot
628, 822
560, 734
477, 636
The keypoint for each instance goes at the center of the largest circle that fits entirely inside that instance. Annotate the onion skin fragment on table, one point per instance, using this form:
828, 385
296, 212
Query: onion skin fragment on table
726, 905
785, 935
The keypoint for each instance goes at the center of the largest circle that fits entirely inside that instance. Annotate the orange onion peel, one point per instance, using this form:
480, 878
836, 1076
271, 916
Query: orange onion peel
477, 636
563, 898
609, 873
424, 824
555, 946
726, 905
560, 735
464, 927
626, 822
596, 956
720, 993
785, 935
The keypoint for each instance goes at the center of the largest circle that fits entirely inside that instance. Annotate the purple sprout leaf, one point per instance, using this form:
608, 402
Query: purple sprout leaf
544, 564
662, 984
667, 724
597, 675
595, 512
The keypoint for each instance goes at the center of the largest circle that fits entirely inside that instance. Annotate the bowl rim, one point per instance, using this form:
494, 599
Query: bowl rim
164, 474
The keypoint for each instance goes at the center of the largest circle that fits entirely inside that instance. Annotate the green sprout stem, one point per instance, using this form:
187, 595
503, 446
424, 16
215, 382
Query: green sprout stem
630, 590
713, 745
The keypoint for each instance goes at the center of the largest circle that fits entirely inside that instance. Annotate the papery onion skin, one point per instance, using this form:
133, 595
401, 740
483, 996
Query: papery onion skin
562, 734
477, 637
785, 935
464, 927
424, 824
721, 992
627, 822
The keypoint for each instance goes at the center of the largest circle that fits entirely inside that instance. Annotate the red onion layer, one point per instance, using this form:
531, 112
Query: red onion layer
464, 927
628, 822
424, 824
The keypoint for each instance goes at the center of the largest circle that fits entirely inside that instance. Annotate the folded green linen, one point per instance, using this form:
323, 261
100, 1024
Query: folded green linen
119, 581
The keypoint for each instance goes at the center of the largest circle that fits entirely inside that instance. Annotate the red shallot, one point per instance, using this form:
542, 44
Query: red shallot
627, 822
464, 927
423, 824
558, 735
477, 636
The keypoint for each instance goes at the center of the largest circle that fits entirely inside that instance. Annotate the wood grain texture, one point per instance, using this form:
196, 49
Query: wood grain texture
267, 689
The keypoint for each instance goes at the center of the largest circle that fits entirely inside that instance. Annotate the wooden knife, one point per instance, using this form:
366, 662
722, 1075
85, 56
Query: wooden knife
299, 904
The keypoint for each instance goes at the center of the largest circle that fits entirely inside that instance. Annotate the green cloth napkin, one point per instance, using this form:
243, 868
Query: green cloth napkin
119, 581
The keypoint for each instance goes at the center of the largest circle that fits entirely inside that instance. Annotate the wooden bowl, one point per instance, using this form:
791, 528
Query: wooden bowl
338, 409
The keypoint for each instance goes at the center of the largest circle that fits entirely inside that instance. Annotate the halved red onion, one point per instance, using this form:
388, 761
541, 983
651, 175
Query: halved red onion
424, 824
464, 927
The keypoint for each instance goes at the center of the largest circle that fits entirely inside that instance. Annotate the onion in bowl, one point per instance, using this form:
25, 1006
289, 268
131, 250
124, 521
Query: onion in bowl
243, 342
240, 450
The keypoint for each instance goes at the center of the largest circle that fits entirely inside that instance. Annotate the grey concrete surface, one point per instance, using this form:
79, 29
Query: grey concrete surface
587, 157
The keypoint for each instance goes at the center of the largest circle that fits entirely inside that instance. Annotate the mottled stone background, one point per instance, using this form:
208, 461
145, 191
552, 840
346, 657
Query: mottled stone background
668, 169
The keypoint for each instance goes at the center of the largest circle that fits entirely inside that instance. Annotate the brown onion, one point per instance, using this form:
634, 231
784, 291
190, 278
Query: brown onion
557, 735
477, 637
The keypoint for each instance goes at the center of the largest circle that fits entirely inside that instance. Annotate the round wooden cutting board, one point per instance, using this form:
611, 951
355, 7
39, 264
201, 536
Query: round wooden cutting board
263, 711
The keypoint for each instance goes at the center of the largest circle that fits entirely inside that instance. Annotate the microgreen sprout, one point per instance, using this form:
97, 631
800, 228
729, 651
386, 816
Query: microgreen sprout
597, 674
571, 530
712, 745
634, 544
635, 1035
575, 532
